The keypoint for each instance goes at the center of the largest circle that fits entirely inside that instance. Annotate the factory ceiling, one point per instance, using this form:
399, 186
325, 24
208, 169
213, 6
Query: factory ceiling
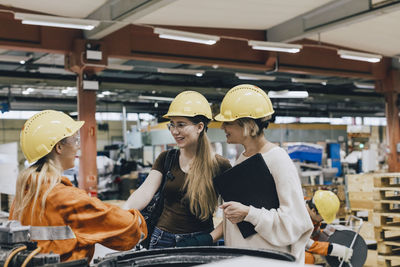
143, 72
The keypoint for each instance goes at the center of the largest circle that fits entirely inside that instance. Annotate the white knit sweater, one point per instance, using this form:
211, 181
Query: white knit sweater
287, 228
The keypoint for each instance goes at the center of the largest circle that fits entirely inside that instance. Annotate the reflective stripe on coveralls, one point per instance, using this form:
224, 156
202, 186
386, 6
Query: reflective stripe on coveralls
51, 232
58, 232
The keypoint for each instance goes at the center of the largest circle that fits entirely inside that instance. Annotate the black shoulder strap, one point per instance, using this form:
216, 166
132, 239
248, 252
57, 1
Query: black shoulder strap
169, 160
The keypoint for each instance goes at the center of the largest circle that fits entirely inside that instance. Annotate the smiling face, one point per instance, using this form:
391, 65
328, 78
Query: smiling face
185, 132
234, 132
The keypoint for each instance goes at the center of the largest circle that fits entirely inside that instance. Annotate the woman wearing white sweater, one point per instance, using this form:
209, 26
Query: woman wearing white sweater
245, 113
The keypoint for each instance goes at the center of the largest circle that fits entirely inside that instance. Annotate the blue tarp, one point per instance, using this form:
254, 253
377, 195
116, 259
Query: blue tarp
306, 152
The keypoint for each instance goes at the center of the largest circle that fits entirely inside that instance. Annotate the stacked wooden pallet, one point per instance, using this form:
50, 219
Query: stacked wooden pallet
360, 190
386, 217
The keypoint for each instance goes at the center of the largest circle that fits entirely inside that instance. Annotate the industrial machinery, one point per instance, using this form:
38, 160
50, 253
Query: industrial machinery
185, 256
16, 249
347, 235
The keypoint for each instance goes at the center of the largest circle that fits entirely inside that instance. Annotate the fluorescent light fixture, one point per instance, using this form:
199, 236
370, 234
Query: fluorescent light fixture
119, 67
288, 94
53, 21
364, 85
346, 54
198, 73
187, 36
28, 91
303, 80
248, 76
108, 93
54, 70
69, 91
11, 58
157, 98
273, 46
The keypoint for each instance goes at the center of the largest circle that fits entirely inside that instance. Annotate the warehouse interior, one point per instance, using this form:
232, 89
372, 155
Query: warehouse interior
331, 69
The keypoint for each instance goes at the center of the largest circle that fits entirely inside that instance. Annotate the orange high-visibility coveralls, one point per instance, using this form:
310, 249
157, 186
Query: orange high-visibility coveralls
315, 246
91, 221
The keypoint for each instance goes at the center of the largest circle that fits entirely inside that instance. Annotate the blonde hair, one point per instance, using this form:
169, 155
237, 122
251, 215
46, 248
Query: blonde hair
251, 127
34, 182
199, 183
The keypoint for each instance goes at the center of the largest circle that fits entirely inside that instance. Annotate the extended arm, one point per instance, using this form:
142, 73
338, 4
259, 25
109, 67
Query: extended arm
93, 221
142, 196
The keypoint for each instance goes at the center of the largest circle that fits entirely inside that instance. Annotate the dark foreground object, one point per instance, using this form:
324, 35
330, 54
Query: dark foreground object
187, 256
360, 249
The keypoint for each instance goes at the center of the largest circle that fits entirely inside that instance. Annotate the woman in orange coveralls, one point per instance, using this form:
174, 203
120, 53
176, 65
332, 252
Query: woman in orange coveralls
324, 206
65, 220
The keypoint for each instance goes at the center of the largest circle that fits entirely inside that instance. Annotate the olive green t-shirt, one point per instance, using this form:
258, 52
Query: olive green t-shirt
176, 216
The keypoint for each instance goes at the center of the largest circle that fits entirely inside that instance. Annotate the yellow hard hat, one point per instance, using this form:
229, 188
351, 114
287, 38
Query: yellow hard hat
245, 101
327, 204
189, 104
44, 130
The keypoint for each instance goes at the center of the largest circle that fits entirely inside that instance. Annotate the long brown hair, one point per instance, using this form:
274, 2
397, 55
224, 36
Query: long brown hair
199, 185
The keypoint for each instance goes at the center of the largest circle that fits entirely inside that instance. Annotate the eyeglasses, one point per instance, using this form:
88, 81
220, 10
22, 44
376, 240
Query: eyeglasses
77, 140
73, 140
179, 126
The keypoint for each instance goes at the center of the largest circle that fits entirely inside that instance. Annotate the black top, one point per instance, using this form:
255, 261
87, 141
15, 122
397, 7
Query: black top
176, 217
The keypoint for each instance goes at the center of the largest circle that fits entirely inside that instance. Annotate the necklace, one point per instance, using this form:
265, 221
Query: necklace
185, 165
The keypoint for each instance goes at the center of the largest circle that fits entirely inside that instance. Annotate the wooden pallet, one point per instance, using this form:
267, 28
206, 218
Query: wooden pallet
386, 218
388, 261
389, 247
388, 180
387, 235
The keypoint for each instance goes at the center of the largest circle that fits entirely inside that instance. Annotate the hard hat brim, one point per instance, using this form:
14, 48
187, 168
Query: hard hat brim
76, 126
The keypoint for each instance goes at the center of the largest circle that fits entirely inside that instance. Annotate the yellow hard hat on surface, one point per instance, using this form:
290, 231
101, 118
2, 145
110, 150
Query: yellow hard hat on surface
44, 130
327, 204
245, 101
189, 104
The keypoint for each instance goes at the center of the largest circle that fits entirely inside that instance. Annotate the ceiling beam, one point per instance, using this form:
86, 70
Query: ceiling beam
116, 14
232, 51
17, 36
328, 17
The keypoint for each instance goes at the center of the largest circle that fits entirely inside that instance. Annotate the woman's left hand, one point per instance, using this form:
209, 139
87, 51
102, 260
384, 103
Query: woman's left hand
235, 211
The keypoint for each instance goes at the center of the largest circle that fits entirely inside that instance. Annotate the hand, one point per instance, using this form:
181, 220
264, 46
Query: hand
343, 252
235, 211
197, 240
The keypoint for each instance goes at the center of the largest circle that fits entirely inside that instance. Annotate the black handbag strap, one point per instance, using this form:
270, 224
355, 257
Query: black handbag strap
167, 175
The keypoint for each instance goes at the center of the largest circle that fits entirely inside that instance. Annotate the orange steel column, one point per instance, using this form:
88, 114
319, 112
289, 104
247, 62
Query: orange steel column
393, 130
390, 87
87, 162
77, 62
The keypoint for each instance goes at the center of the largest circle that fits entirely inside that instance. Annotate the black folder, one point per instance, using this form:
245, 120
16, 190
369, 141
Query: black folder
249, 183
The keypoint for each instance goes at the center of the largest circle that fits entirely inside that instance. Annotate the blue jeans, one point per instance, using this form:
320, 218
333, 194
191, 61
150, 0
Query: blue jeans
163, 239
